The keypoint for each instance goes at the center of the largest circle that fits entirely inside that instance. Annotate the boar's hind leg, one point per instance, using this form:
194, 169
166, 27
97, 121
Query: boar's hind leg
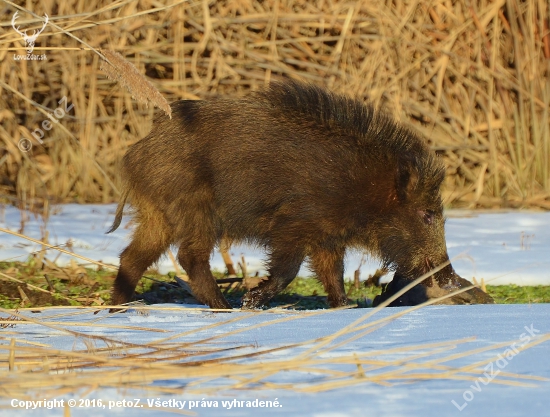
149, 242
329, 267
203, 284
284, 264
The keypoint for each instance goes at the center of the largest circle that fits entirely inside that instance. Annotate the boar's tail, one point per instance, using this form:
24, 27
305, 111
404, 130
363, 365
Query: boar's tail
118, 215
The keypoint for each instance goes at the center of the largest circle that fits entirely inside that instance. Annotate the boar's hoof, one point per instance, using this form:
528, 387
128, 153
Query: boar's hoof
253, 299
338, 301
421, 293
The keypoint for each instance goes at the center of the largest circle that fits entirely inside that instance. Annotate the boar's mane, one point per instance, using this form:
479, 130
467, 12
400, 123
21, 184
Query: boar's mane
374, 130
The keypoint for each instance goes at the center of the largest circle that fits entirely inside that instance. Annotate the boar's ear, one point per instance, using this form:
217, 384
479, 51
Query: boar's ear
406, 179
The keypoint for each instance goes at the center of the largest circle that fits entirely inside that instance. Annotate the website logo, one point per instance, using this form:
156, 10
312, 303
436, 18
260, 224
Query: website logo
29, 40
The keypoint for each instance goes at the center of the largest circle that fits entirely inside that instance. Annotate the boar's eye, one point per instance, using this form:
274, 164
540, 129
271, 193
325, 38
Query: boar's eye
427, 216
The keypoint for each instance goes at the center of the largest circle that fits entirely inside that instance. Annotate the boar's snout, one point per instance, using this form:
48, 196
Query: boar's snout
440, 284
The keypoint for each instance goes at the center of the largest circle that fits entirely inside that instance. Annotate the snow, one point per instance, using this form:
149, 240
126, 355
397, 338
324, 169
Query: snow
508, 247
489, 324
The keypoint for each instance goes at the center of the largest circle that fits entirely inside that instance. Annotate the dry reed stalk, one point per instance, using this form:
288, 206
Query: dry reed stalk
75, 323
34, 287
175, 264
125, 73
47, 245
473, 77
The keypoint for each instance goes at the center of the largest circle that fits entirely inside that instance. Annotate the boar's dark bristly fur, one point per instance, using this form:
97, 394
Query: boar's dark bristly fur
294, 168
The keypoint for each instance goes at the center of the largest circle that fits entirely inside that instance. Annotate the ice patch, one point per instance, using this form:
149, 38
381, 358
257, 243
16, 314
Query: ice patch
155, 319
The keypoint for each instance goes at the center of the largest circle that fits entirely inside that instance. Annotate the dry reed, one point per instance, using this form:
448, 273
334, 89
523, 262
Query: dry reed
473, 77
120, 70
32, 370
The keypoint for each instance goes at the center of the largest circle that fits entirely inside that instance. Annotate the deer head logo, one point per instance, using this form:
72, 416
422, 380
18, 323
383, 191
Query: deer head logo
29, 39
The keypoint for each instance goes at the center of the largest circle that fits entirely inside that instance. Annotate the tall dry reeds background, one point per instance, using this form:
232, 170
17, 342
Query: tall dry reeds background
472, 75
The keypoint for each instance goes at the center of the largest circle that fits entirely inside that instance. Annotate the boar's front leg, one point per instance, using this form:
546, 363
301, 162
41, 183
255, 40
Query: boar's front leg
284, 264
196, 262
328, 264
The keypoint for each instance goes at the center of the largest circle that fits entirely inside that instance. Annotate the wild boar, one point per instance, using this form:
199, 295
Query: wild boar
301, 171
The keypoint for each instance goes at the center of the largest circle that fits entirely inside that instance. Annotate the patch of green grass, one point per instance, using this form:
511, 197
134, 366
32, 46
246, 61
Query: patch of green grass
7, 302
76, 285
72, 285
514, 294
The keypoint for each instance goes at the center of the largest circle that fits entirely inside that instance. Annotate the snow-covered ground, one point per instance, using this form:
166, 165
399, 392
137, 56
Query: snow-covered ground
510, 343
500, 247
492, 391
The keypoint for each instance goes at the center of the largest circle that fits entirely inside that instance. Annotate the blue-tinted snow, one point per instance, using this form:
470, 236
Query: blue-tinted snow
489, 324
